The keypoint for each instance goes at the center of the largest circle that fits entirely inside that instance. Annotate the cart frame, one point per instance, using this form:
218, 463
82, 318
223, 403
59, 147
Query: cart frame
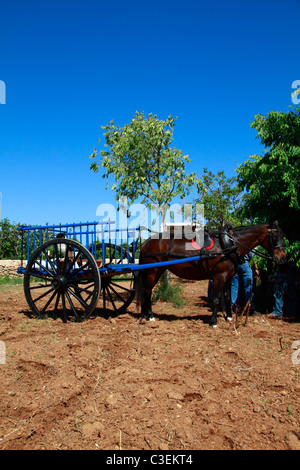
71, 263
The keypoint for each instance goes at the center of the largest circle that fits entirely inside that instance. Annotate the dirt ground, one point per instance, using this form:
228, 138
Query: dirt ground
116, 382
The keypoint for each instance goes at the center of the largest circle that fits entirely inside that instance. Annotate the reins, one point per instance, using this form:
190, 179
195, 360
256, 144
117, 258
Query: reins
258, 253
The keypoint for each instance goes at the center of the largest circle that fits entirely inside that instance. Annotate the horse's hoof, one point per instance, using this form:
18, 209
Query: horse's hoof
213, 325
229, 319
147, 318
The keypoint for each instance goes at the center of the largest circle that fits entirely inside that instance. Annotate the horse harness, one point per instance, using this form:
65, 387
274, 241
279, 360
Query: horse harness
229, 247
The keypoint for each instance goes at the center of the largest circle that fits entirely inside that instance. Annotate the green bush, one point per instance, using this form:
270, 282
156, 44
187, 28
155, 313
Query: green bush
10, 240
167, 291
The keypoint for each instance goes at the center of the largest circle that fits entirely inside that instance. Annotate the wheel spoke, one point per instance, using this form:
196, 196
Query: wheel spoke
39, 275
41, 286
89, 296
56, 302
83, 303
43, 295
104, 298
49, 301
66, 258
111, 299
74, 261
44, 268
120, 286
64, 307
77, 270
57, 259
50, 261
81, 289
72, 306
116, 293
83, 281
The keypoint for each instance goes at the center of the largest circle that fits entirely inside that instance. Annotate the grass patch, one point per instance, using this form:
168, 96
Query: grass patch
12, 281
166, 291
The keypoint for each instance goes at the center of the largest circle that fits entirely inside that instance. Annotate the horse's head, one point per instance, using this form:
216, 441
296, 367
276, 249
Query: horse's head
273, 243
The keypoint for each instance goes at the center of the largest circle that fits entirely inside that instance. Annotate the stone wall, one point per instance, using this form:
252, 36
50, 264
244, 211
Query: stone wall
9, 268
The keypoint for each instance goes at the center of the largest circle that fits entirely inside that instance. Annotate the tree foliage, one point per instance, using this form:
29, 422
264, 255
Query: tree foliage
272, 180
12, 244
221, 198
142, 162
9, 240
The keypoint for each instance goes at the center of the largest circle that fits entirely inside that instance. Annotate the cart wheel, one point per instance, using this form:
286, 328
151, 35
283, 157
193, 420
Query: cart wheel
118, 289
62, 279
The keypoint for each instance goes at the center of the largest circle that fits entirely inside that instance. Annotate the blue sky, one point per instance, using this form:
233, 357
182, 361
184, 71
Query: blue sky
71, 66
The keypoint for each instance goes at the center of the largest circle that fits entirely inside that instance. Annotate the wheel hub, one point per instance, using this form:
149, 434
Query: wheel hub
59, 283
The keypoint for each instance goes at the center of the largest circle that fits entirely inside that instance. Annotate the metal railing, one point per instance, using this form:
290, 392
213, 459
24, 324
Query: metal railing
95, 236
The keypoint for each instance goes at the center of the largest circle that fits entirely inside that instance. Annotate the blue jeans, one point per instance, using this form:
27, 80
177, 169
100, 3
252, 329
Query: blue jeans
285, 289
242, 286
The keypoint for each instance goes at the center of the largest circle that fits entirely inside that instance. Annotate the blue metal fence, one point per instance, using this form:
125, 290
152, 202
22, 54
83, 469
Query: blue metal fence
93, 235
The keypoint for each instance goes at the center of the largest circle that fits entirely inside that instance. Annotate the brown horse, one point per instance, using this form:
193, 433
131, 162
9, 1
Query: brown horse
218, 261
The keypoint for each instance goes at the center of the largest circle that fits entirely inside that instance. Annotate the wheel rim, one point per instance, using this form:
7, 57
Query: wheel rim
62, 279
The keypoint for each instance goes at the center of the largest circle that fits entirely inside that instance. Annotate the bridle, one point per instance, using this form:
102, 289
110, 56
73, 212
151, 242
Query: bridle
269, 234
271, 239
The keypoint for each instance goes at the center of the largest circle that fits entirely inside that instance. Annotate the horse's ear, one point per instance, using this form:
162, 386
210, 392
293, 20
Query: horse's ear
274, 224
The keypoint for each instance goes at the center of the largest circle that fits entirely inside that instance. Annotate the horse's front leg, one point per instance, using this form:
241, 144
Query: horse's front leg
216, 304
214, 320
228, 305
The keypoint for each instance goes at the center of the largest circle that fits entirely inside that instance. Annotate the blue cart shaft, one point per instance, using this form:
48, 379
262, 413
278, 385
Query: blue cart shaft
139, 267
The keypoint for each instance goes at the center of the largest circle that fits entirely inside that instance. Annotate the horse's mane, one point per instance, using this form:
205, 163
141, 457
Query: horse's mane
214, 232
242, 228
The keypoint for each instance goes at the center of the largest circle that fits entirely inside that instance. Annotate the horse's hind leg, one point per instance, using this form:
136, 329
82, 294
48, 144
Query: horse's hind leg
217, 300
146, 309
149, 279
216, 303
228, 305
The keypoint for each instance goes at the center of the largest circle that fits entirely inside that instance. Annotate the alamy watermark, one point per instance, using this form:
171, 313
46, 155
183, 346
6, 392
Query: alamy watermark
296, 94
185, 221
296, 354
2, 353
2, 92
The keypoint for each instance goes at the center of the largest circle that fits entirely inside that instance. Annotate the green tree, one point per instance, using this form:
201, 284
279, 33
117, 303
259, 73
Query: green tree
221, 198
272, 180
142, 162
9, 240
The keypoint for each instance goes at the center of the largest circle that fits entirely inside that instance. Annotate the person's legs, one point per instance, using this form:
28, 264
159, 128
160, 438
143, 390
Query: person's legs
234, 290
291, 298
247, 280
279, 291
